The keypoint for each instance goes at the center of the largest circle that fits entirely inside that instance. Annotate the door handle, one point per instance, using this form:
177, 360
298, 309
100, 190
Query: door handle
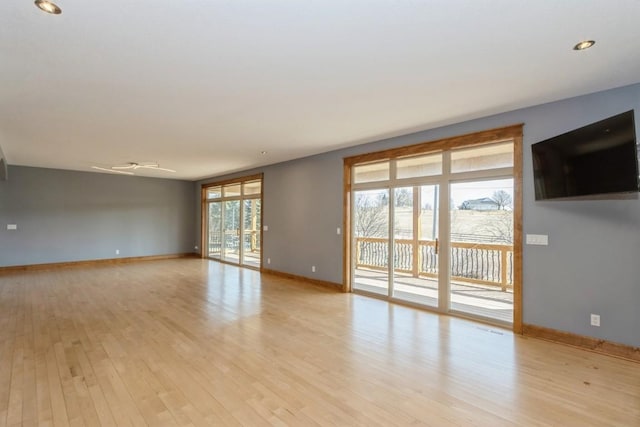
437, 244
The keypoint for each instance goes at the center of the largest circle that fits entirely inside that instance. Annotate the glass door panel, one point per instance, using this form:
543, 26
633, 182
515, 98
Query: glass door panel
481, 215
231, 231
214, 227
251, 234
233, 222
428, 241
370, 245
416, 230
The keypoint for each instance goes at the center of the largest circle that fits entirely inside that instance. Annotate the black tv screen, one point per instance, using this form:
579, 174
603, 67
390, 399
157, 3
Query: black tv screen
595, 160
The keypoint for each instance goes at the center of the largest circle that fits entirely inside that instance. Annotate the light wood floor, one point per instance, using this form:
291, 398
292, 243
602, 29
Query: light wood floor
193, 342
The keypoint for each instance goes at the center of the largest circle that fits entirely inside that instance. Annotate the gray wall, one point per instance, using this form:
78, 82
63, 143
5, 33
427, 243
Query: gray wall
72, 216
592, 263
303, 208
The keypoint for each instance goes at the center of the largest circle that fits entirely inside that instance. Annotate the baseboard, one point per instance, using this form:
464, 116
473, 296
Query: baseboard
588, 343
93, 262
323, 283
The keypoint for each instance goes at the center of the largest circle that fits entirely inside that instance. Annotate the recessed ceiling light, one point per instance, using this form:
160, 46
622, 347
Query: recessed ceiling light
586, 44
49, 7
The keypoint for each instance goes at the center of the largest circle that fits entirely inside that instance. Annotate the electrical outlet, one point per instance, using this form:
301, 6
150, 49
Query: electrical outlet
338, 230
117, 251
313, 268
268, 260
12, 226
595, 320
195, 247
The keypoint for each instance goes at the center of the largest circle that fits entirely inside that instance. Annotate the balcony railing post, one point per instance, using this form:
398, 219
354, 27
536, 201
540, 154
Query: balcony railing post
503, 269
415, 259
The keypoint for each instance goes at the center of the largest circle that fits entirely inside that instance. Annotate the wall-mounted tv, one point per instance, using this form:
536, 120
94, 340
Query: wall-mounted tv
596, 160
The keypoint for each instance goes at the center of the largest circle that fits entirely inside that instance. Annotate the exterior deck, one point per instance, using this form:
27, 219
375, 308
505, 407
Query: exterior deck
477, 299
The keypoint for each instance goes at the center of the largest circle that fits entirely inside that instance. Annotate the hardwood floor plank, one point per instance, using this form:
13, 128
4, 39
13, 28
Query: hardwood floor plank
124, 399
45, 415
14, 409
195, 343
116, 408
56, 395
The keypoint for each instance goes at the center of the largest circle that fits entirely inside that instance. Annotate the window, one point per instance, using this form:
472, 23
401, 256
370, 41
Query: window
232, 221
418, 166
371, 172
434, 224
493, 156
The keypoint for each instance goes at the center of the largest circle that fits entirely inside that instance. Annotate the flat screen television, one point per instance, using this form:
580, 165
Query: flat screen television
595, 160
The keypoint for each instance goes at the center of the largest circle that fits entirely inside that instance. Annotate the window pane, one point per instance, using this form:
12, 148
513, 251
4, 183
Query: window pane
371, 241
251, 236
403, 252
429, 218
215, 229
231, 190
231, 227
429, 165
482, 158
403, 213
371, 172
481, 248
252, 187
214, 193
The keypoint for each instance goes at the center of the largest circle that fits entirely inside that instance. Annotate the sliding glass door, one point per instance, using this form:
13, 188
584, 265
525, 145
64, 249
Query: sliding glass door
481, 239
416, 244
234, 222
395, 228
437, 229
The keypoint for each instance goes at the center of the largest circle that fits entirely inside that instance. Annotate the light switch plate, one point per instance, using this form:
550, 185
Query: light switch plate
537, 239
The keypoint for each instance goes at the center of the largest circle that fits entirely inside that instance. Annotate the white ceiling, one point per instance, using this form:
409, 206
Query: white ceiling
203, 86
